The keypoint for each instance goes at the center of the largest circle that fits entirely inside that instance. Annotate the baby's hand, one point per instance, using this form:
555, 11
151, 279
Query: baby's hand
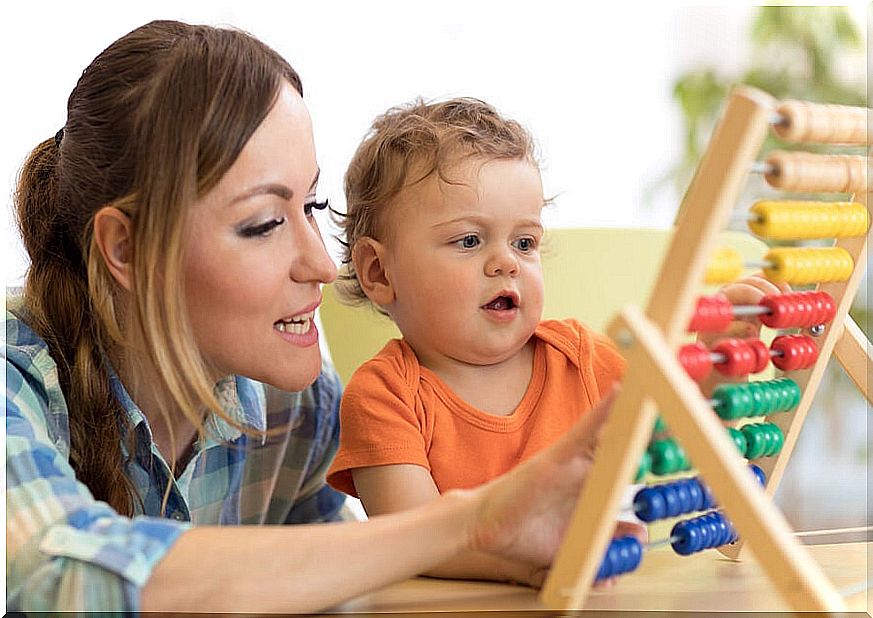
746, 291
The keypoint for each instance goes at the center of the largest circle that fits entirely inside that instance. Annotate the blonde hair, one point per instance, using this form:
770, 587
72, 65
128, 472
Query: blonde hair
152, 124
406, 145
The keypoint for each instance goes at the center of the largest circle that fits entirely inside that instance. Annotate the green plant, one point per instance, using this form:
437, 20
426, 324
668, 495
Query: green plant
796, 51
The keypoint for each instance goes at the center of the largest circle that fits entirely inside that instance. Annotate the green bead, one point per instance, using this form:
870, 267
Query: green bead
682, 462
776, 440
755, 440
645, 466
732, 401
739, 439
660, 425
664, 457
764, 398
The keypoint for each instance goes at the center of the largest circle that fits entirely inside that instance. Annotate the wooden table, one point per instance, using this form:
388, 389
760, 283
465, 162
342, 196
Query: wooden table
703, 582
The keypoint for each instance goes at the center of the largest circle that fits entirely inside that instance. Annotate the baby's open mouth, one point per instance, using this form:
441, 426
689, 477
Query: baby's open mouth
501, 303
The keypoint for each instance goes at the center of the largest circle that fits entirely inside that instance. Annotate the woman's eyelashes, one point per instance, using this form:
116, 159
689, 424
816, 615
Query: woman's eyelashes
260, 229
264, 229
309, 206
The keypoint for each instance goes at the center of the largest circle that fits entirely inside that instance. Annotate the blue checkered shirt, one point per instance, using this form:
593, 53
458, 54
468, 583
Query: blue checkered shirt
67, 551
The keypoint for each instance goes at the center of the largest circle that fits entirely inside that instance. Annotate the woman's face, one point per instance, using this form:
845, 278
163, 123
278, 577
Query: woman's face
255, 259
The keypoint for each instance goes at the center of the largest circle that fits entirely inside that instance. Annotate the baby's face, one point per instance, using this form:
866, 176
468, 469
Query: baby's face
464, 263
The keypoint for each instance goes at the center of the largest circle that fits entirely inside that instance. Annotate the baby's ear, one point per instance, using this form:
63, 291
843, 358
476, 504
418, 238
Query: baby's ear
368, 256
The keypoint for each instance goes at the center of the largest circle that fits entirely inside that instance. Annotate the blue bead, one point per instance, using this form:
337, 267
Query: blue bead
649, 504
607, 567
636, 553
759, 474
724, 532
686, 539
672, 500
624, 555
715, 532
696, 493
708, 498
704, 531
684, 497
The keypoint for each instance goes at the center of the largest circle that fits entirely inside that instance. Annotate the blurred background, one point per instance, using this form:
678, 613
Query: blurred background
621, 98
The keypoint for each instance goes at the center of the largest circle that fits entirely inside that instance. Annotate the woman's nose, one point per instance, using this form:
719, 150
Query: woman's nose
311, 261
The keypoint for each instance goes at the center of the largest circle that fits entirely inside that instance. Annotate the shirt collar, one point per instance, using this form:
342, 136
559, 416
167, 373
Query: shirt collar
241, 401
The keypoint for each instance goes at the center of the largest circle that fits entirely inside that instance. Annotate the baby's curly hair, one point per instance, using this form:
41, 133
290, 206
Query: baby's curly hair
406, 145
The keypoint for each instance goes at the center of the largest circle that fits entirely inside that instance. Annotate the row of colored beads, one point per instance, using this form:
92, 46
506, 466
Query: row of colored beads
796, 220
792, 310
738, 400
758, 439
678, 497
739, 357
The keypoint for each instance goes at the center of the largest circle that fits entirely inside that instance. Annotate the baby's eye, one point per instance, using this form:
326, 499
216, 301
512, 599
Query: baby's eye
525, 245
470, 241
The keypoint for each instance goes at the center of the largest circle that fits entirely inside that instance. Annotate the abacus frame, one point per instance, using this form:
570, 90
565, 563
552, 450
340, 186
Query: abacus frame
654, 376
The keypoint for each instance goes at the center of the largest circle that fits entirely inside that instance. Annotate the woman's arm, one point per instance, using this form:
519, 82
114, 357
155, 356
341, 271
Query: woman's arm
519, 516
305, 568
394, 488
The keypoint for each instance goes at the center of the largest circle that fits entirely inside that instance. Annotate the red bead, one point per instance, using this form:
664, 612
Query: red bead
762, 354
796, 352
712, 314
739, 356
695, 358
798, 309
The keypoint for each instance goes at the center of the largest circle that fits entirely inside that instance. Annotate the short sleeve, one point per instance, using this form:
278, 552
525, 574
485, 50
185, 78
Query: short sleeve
65, 550
607, 364
380, 423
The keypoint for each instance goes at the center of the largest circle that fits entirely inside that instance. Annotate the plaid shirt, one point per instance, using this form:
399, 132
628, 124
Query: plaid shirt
67, 551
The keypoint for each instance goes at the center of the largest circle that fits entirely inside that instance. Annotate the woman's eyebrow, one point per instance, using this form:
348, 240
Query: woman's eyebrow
272, 188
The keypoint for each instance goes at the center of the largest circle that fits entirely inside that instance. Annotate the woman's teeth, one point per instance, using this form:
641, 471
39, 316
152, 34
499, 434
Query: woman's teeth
296, 325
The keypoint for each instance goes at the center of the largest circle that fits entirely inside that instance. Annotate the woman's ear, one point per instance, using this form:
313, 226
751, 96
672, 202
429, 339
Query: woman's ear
368, 257
114, 236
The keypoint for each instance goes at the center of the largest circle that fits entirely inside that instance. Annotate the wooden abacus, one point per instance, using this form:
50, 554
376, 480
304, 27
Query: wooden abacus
655, 376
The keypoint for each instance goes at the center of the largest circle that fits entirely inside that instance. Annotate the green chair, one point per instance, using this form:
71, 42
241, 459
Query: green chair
589, 274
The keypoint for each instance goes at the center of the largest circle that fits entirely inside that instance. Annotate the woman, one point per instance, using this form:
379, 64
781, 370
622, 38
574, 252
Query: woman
165, 388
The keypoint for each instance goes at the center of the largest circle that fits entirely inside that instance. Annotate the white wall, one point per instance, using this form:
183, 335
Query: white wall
592, 84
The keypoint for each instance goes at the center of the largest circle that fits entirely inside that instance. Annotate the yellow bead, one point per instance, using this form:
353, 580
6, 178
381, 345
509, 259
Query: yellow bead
787, 220
726, 265
806, 265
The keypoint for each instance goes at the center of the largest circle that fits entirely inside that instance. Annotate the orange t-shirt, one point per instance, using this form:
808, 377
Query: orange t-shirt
394, 411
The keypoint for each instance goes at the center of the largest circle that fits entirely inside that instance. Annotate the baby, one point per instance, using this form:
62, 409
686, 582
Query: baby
443, 234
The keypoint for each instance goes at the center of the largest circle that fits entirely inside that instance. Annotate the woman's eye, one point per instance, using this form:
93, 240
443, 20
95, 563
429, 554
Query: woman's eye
470, 241
525, 245
308, 207
262, 229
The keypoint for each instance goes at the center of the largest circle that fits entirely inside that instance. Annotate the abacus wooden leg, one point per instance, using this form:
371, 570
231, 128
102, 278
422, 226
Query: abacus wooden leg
854, 352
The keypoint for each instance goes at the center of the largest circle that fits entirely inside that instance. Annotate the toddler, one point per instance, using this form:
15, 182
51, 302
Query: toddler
443, 233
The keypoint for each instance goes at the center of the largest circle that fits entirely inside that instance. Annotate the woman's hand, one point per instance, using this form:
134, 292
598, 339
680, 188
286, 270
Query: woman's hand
524, 514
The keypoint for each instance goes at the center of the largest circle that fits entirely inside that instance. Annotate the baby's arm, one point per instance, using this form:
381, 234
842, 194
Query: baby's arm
392, 488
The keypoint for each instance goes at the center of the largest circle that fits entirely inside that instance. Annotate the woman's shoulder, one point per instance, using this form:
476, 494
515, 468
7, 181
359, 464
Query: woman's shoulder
33, 390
